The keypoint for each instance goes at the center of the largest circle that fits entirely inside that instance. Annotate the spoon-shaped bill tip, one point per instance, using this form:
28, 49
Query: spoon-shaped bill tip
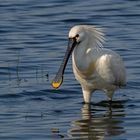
57, 83
59, 76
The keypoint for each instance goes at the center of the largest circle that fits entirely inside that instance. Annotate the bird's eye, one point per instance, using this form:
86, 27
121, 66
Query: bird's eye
77, 36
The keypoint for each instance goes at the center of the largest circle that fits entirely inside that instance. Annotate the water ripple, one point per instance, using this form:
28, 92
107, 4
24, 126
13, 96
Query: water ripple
33, 39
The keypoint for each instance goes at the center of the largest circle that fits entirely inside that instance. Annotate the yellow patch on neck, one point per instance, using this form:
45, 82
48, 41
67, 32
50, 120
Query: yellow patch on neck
88, 50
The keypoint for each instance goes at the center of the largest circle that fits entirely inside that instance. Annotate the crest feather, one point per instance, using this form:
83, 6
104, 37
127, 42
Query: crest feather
97, 35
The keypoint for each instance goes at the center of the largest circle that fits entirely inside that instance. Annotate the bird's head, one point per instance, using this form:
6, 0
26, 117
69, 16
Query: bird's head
77, 35
86, 33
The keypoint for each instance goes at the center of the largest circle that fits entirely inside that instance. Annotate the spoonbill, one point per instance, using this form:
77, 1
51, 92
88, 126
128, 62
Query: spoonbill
95, 67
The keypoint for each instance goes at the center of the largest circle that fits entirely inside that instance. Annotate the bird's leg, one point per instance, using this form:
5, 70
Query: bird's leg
109, 95
87, 96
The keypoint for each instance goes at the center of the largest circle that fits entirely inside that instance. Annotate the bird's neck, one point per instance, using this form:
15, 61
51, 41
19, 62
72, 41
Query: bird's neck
80, 51
81, 55
83, 49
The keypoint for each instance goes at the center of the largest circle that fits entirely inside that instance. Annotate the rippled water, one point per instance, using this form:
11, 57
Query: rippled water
33, 39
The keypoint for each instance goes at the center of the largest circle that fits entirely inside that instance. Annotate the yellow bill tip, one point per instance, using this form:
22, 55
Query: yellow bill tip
56, 84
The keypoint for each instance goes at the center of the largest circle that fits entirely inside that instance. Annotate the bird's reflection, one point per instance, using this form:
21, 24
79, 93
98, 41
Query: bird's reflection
99, 121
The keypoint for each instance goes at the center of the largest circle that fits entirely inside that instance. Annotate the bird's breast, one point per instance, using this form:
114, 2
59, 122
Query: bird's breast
83, 67
84, 63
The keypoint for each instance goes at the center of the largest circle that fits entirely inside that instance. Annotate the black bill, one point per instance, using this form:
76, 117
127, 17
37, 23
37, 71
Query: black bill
56, 83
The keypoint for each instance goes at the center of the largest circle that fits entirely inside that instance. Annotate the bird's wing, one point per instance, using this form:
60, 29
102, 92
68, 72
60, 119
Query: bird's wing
111, 68
118, 70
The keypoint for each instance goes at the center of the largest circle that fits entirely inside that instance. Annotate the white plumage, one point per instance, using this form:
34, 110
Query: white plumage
95, 67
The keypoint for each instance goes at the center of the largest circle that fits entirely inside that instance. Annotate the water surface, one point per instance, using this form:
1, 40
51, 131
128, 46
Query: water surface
33, 39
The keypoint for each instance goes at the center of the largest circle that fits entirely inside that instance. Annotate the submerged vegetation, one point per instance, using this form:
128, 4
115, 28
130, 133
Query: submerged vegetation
20, 74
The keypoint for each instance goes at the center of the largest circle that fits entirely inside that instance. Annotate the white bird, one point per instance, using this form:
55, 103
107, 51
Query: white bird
95, 67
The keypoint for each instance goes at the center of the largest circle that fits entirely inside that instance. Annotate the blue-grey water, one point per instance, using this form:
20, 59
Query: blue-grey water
33, 39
